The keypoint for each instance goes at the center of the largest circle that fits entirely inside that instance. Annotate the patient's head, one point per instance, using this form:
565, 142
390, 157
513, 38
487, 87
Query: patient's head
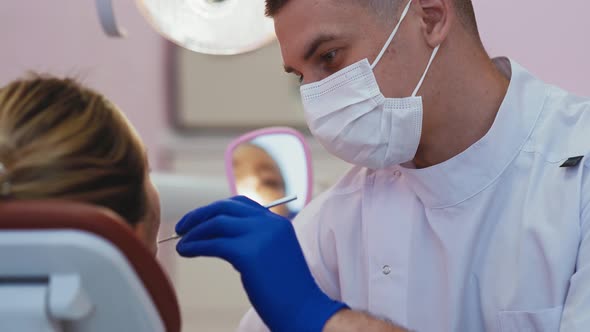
258, 176
59, 140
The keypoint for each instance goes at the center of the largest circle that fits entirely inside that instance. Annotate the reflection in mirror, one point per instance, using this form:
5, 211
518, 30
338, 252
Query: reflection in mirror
268, 166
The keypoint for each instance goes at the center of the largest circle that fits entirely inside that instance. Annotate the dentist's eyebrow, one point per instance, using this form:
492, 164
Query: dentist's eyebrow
315, 44
311, 48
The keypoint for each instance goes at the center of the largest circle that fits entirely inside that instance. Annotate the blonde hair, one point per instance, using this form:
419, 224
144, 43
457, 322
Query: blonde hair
59, 140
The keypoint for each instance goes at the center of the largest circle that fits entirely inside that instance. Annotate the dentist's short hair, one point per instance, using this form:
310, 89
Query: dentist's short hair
464, 9
60, 140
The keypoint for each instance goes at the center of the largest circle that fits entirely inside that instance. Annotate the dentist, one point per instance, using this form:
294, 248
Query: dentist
468, 208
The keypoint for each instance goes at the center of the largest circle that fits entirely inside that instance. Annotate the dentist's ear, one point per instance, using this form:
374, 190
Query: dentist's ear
437, 18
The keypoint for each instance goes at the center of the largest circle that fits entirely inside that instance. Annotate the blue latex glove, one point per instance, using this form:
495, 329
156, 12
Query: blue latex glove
263, 247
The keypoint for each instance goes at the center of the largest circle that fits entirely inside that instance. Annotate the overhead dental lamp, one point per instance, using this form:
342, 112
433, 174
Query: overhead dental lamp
219, 27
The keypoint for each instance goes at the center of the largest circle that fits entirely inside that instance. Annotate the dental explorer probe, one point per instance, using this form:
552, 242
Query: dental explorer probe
276, 203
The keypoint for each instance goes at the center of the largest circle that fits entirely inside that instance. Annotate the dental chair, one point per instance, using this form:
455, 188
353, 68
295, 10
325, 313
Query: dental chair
73, 267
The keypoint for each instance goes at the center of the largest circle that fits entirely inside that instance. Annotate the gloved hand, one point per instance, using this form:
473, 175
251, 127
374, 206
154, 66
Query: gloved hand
263, 247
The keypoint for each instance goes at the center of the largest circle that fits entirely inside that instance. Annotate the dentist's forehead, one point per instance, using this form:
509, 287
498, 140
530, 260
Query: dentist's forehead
300, 22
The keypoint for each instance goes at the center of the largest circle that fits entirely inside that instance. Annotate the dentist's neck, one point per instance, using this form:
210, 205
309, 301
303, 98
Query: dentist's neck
462, 95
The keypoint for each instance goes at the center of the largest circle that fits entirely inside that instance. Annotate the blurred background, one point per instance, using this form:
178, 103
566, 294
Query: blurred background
188, 106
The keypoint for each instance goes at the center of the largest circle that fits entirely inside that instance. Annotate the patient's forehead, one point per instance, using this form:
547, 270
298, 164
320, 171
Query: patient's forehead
251, 153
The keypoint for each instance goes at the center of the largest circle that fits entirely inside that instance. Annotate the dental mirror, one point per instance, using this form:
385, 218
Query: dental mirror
268, 164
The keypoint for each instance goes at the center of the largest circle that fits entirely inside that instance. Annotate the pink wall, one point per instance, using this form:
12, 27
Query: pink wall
64, 37
549, 37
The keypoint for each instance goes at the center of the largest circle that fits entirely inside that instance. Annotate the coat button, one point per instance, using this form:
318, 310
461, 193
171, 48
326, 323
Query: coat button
397, 174
386, 270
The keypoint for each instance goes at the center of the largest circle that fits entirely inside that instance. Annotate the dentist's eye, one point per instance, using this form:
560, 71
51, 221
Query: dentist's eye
330, 56
331, 62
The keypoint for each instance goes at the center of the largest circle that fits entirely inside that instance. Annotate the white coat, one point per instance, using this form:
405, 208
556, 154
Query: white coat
495, 239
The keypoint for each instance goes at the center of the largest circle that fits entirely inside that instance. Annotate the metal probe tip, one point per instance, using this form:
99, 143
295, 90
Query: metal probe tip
276, 203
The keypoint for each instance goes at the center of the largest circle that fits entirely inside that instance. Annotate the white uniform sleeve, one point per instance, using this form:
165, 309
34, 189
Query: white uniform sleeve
309, 230
576, 313
252, 323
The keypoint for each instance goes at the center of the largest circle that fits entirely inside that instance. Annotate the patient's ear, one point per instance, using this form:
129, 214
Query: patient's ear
140, 230
144, 232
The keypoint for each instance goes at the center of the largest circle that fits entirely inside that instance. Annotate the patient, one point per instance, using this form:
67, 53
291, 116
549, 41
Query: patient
258, 176
60, 140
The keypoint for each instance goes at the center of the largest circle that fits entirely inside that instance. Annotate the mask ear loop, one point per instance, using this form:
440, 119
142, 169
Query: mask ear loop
425, 71
401, 19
